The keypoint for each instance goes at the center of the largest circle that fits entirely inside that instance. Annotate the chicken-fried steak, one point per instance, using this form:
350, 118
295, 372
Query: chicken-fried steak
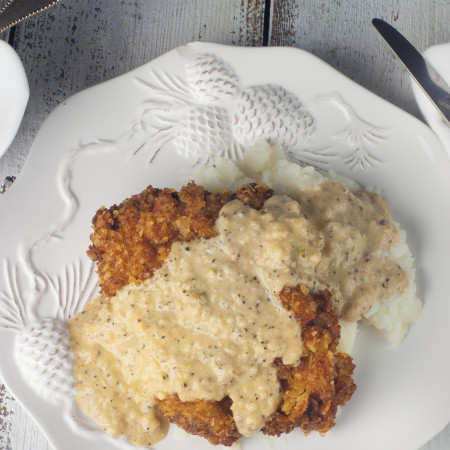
132, 240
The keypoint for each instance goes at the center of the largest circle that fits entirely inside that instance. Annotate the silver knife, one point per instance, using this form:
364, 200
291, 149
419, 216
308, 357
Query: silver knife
14, 11
427, 78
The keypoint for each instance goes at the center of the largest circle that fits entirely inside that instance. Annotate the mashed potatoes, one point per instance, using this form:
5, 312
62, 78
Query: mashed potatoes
391, 310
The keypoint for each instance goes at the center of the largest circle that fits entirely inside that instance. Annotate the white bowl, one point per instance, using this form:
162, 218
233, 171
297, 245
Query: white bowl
14, 93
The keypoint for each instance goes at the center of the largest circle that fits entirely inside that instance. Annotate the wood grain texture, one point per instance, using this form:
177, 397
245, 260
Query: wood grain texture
340, 32
17, 429
81, 43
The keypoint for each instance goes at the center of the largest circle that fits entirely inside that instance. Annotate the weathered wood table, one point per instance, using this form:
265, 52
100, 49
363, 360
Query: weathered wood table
80, 43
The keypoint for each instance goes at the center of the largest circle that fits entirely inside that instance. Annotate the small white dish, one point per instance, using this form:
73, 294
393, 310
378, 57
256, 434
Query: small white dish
156, 125
439, 57
14, 93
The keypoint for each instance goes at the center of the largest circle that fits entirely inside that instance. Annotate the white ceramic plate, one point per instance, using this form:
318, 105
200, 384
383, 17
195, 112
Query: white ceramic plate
154, 126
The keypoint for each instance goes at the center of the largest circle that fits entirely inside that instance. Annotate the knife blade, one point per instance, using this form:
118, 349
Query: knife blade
426, 77
14, 11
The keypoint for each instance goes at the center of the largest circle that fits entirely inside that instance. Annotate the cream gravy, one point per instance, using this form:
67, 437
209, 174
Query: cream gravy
209, 324
356, 233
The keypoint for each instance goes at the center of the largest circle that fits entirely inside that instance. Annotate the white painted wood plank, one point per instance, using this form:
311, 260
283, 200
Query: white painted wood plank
17, 429
440, 442
341, 33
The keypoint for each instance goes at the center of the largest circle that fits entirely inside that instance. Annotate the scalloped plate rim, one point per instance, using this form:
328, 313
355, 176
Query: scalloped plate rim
434, 151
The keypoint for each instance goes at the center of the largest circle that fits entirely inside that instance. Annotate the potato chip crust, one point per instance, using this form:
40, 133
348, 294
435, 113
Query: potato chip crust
132, 240
322, 381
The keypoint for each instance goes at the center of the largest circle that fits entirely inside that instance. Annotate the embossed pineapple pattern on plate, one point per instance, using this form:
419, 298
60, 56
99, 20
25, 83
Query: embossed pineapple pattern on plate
42, 345
210, 115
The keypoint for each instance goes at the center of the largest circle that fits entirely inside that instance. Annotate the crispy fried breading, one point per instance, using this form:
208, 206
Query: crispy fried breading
131, 241
322, 381
211, 420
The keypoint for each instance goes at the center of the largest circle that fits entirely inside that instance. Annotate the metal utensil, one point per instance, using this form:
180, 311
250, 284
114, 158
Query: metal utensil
427, 78
14, 11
